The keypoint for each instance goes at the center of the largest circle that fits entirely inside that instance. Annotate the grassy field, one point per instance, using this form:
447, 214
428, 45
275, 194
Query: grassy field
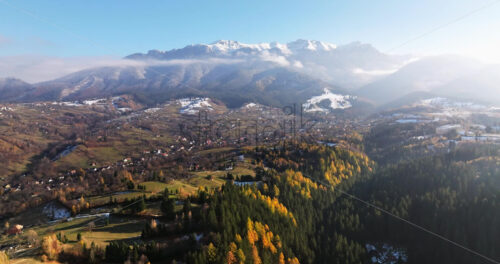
177, 187
119, 196
202, 181
119, 228
240, 169
29, 261
215, 150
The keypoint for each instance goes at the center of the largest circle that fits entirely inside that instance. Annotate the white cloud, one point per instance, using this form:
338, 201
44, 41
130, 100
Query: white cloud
280, 60
298, 64
360, 71
41, 68
373, 72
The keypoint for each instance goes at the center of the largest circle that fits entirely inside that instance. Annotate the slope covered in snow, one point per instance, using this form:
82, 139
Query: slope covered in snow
192, 106
328, 101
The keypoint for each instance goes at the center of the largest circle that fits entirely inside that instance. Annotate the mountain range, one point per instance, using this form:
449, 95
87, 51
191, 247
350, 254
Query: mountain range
269, 73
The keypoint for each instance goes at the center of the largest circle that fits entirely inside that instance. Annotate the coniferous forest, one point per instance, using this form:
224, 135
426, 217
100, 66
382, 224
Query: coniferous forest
297, 214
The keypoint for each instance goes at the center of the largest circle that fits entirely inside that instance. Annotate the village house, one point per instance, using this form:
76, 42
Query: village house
14, 230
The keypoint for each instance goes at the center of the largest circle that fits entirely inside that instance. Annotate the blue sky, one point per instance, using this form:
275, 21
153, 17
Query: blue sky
118, 28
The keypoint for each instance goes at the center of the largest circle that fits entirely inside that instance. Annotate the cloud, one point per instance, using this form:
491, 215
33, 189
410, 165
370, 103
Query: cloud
298, 64
360, 71
42, 68
280, 60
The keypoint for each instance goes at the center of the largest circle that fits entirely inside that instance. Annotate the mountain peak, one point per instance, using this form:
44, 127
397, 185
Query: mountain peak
313, 45
11, 80
231, 45
358, 45
225, 42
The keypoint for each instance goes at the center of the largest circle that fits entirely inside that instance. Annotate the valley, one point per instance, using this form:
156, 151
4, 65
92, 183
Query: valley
249, 132
164, 176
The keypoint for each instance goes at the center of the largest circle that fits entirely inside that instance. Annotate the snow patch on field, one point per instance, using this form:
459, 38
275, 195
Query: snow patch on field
250, 105
67, 103
94, 101
192, 106
152, 110
328, 101
6, 109
56, 211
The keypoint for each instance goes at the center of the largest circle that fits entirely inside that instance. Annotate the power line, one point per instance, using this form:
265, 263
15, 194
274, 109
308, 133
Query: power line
26, 12
462, 17
408, 222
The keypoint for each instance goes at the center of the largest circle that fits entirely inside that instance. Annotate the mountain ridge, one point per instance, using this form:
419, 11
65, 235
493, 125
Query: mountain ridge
266, 73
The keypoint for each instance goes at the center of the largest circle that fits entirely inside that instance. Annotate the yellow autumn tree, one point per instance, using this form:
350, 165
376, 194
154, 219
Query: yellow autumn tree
126, 175
241, 256
231, 258
4, 259
255, 255
211, 253
238, 238
231, 254
252, 236
51, 247
282, 258
276, 191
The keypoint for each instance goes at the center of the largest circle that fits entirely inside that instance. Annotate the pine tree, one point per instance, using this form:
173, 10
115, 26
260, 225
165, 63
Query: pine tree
168, 207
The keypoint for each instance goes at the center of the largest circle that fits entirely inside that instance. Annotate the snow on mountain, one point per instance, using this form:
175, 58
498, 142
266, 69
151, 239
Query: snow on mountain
231, 71
94, 101
327, 102
250, 105
313, 45
192, 106
229, 45
231, 48
349, 66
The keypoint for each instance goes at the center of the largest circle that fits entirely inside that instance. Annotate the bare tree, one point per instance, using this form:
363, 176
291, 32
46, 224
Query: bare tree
91, 226
32, 237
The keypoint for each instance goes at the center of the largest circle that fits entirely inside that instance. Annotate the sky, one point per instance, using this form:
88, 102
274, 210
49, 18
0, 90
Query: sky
94, 28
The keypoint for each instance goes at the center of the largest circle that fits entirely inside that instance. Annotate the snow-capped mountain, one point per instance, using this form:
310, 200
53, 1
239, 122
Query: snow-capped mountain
349, 66
231, 48
313, 45
269, 74
234, 72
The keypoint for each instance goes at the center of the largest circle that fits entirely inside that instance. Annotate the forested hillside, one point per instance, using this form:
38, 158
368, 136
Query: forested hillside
309, 222
294, 209
455, 195
446, 194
